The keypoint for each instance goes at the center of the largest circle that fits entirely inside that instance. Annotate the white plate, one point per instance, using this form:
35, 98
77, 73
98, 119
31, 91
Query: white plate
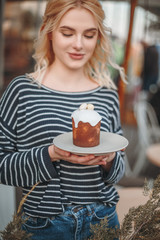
109, 142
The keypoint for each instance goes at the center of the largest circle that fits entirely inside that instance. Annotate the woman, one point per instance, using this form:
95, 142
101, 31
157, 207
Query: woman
72, 54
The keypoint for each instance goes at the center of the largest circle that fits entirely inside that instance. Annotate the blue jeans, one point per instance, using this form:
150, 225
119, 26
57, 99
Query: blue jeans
73, 224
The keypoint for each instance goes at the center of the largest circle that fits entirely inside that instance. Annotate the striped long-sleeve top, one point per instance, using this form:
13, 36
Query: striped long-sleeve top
30, 118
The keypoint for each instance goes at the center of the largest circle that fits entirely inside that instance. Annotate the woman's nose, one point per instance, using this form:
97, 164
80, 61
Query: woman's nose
78, 43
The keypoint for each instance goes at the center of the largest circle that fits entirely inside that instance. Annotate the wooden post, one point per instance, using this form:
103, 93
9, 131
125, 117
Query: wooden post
122, 85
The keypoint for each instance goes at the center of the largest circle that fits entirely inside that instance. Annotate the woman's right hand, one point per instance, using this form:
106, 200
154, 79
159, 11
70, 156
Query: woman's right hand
59, 154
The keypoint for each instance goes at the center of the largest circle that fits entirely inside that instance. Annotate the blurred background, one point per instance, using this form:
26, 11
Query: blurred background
135, 37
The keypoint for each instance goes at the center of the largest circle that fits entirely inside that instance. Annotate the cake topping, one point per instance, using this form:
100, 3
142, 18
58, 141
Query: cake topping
90, 106
86, 113
83, 106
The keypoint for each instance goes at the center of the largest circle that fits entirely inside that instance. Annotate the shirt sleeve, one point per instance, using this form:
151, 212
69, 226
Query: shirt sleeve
19, 168
118, 167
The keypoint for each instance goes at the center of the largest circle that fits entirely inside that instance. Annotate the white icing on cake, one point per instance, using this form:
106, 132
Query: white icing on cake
90, 116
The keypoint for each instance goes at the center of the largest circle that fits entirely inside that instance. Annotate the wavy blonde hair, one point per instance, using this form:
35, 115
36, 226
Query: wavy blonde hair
97, 66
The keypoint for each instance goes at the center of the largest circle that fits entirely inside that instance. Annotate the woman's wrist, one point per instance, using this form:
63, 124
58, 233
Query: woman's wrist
108, 166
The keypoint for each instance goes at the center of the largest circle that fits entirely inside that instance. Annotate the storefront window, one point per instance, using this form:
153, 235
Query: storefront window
20, 28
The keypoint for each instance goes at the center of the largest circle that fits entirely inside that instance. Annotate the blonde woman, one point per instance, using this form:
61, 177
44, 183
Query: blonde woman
72, 56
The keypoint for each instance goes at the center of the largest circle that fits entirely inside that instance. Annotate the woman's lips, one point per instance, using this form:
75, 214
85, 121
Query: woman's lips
76, 56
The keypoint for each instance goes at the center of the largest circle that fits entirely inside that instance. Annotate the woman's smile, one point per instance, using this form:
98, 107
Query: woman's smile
76, 56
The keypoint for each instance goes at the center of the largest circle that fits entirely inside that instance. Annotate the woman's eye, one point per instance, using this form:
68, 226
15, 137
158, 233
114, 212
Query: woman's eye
88, 36
67, 34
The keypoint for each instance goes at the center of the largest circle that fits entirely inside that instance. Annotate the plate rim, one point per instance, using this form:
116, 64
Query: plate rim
91, 150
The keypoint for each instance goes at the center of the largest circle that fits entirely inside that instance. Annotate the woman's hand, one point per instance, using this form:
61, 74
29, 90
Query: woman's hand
59, 154
109, 161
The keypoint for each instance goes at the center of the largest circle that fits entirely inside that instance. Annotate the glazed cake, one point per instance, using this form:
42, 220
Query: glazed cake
86, 124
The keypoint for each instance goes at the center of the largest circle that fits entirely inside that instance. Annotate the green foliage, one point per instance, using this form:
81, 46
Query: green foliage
13, 230
141, 223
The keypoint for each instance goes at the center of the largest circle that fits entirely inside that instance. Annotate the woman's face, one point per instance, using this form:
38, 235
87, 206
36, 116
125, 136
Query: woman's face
75, 38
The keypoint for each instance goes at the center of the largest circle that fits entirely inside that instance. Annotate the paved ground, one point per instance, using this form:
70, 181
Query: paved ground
129, 197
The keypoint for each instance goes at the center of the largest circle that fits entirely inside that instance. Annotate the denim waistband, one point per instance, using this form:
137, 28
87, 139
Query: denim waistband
91, 208
74, 208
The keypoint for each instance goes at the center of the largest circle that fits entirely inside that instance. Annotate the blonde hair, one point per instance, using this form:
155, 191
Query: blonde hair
97, 66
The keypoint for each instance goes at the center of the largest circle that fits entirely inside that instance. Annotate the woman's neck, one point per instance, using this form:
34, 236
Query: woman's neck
69, 80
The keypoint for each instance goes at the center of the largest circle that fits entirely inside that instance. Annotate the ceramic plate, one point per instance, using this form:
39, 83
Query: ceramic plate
109, 142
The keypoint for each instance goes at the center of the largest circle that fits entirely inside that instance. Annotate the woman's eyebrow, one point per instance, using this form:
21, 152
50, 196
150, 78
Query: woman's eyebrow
72, 29
67, 28
91, 30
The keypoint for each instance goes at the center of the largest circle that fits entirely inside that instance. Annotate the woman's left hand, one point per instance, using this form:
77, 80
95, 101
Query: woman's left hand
108, 161
104, 160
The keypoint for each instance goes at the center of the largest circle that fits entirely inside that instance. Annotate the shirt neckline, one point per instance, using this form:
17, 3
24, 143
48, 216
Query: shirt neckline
69, 93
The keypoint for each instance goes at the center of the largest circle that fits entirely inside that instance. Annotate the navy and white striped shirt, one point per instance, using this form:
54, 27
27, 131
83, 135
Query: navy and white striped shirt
30, 118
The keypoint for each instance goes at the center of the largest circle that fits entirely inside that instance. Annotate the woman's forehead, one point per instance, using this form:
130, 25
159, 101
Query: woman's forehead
79, 17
